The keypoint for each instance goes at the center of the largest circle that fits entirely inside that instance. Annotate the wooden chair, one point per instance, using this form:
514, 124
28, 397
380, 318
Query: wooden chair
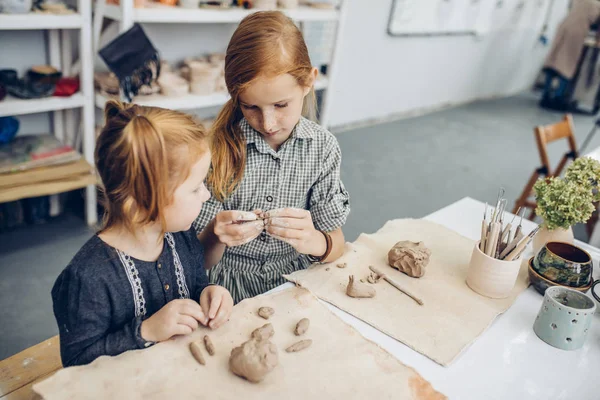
543, 136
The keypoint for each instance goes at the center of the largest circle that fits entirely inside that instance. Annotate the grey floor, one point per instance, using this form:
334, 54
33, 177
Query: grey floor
406, 168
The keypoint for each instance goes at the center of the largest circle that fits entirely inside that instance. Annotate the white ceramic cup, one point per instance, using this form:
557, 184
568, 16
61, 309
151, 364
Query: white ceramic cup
491, 277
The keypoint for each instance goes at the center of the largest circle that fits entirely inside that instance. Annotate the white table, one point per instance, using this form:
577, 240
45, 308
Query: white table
508, 361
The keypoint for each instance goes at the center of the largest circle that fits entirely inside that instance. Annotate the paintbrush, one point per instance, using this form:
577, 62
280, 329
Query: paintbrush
492, 241
484, 229
513, 243
516, 253
520, 226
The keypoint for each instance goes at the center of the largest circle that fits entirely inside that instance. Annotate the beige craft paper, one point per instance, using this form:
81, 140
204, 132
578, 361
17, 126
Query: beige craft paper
452, 316
340, 364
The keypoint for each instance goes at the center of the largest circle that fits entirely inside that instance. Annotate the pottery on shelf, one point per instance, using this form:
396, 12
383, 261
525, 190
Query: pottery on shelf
173, 85
564, 263
289, 4
541, 284
545, 235
191, 4
15, 6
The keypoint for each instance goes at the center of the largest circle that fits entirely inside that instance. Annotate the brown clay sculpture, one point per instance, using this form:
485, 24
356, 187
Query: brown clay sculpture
210, 347
409, 257
358, 289
342, 265
265, 332
197, 352
298, 346
302, 327
266, 312
254, 359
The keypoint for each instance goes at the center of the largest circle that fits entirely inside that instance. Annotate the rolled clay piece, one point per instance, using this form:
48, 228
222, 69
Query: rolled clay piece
254, 359
266, 312
265, 332
409, 257
302, 326
343, 265
197, 352
210, 347
358, 289
298, 346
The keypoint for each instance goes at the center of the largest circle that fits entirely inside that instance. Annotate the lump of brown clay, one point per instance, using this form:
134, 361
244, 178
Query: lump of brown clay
210, 347
409, 257
197, 352
254, 359
359, 289
302, 326
298, 346
265, 332
266, 312
342, 265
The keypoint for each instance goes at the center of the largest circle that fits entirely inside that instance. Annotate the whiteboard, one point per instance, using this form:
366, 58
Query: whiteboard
440, 17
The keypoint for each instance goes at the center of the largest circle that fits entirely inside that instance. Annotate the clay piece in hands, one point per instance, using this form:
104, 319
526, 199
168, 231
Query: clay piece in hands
210, 347
298, 346
197, 352
254, 359
302, 327
359, 289
409, 257
265, 312
265, 332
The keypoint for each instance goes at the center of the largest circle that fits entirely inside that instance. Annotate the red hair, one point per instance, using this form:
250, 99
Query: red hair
142, 155
265, 43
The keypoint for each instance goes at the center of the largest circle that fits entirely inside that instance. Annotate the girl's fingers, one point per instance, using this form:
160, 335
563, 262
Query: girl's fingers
288, 212
205, 303
186, 320
223, 313
215, 303
290, 223
242, 231
194, 310
181, 329
285, 232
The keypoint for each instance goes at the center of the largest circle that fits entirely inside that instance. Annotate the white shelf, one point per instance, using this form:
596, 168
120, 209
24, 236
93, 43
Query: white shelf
189, 101
11, 106
158, 13
36, 21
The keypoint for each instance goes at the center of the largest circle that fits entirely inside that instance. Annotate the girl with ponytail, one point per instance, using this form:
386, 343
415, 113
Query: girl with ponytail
278, 203
141, 279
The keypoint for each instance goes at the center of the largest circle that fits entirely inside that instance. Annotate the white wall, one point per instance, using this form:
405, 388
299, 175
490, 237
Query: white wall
380, 76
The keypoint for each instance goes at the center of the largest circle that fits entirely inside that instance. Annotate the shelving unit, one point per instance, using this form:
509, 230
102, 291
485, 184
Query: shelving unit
80, 174
187, 102
155, 13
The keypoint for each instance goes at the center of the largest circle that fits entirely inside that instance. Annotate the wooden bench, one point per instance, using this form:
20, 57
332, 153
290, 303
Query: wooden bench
19, 372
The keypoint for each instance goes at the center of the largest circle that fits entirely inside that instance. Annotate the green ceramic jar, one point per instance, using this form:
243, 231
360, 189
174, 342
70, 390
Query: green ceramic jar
565, 264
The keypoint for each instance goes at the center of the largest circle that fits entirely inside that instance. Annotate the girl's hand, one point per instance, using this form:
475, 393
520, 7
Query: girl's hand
178, 317
234, 228
295, 227
217, 304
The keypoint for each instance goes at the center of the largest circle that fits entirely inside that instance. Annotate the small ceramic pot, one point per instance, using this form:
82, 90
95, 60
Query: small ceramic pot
15, 6
564, 263
564, 318
541, 284
491, 277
